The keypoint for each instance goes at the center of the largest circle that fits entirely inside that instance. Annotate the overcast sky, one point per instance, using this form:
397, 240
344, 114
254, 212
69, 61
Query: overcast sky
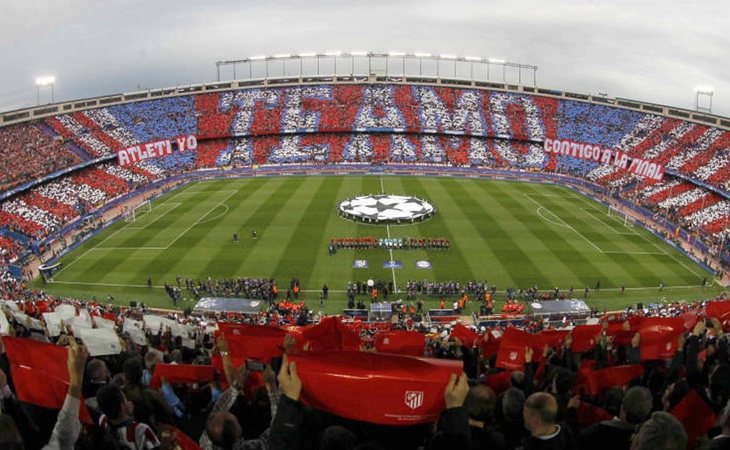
656, 51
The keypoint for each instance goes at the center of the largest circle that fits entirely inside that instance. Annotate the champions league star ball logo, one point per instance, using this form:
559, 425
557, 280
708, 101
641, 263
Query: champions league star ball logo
414, 399
384, 208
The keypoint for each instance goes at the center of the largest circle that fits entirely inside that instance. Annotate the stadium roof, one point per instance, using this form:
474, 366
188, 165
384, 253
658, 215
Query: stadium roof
656, 51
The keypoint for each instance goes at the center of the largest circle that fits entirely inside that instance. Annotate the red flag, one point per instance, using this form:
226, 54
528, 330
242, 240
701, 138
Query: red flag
599, 380
254, 381
40, 373
258, 342
181, 373
410, 343
499, 381
585, 337
511, 354
696, 416
398, 390
620, 335
720, 310
552, 338
659, 337
467, 336
490, 346
690, 320
331, 334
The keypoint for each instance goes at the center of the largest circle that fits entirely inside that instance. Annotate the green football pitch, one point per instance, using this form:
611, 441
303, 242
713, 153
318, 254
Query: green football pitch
510, 234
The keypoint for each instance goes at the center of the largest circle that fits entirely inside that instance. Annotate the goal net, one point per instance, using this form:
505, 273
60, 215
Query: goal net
620, 216
131, 214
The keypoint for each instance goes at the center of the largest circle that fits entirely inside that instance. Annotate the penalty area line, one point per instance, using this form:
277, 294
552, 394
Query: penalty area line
562, 224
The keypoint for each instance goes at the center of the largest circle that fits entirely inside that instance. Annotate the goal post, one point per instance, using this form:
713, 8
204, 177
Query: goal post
620, 216
131, 214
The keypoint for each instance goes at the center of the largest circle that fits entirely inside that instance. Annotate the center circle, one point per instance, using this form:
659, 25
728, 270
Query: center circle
385, 208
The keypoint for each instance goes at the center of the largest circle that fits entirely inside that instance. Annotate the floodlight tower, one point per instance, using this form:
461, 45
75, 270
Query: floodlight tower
40, 82
706, 92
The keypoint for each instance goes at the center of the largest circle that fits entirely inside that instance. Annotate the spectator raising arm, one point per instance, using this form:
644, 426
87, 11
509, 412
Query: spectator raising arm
67, 428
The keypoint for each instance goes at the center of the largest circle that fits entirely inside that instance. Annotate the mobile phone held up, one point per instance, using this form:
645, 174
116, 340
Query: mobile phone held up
254, 366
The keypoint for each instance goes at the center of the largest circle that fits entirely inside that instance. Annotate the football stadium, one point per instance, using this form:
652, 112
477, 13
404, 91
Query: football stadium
393, 250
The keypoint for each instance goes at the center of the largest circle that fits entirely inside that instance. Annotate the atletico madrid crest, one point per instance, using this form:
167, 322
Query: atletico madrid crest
414, 399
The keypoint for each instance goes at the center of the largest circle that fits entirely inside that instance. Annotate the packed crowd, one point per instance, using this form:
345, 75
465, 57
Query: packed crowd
9, 250
332, 124
647, 379
26, 152
44, 209
520, 120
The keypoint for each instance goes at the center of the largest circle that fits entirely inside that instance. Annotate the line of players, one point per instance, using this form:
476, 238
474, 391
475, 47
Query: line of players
368, 243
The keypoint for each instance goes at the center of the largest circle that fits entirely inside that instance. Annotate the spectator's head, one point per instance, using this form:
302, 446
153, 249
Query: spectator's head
223, 429
338, 438
150, 359
119, 379
517, 379
636, 405
10, 437
133, 371
480, 403
661, 432
176, 356
112, 402
512, 403
97, 371
562, 381
539, 413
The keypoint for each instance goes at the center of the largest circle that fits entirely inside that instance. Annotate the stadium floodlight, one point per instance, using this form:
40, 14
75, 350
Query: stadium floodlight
307, 54
359, 53
422, 55
334, 53
45, 81
396, 54
496, 61
283, 56
472, 58
257, 58
447, 56
48, 80
706, 92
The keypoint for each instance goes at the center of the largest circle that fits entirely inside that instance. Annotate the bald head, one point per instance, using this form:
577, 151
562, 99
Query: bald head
223, 429
540, 412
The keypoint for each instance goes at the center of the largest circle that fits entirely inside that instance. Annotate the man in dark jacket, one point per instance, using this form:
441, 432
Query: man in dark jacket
512, 426
539, 414
616, 434
479, 404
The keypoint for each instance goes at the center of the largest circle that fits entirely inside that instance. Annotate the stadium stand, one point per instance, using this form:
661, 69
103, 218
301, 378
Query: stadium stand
181, 371
26, 152
370, 123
